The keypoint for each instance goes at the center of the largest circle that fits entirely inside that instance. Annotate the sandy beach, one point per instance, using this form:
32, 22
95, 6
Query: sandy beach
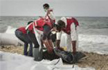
99, 62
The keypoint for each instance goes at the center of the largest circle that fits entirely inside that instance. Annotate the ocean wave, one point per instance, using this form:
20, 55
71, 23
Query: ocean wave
94, 38
90, 43
93, 43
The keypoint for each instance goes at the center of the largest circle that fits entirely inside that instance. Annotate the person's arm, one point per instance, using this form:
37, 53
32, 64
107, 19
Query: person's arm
50, 16
73, 37
58, 37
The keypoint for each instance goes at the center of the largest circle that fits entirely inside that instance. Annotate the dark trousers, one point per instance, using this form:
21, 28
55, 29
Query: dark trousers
33, 39
24, 37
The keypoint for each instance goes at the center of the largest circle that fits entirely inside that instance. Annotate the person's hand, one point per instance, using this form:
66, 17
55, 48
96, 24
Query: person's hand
53, 30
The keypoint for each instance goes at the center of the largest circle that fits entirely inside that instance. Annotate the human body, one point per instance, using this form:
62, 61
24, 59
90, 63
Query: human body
70, 27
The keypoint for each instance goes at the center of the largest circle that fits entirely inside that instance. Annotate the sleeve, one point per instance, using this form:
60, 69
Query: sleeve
58, 35
51, 15
73, 32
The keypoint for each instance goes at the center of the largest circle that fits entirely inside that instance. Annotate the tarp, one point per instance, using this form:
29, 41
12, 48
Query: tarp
9, 61
9, 38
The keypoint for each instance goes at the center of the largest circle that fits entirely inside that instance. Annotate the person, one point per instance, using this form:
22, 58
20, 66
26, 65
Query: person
21, 34
43, 25
69, 25
42, 28
50, 16
49, 13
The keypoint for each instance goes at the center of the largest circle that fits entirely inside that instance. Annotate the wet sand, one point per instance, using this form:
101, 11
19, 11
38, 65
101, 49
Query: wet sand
99, 62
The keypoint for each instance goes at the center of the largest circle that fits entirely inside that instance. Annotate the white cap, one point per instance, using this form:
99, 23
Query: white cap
64, 20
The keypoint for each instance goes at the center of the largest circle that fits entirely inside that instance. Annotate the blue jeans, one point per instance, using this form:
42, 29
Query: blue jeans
24, 38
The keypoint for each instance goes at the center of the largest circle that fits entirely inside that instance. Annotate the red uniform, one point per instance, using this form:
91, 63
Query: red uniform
69, 22
22, 29
39, 24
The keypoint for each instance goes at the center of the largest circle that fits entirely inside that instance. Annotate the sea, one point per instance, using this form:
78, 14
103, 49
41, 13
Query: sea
87, 25
93, 31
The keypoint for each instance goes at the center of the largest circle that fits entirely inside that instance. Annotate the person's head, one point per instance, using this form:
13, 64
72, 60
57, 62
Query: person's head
46, 6
60, 25
29, 22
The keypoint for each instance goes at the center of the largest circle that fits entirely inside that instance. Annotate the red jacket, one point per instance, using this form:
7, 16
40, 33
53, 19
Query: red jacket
22, 29
67, 29
39, 24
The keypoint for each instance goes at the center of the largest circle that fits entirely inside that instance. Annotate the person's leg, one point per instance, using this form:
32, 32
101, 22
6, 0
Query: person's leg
33, 39
69, 44
30, 50
36, 52
25, 49
24, 38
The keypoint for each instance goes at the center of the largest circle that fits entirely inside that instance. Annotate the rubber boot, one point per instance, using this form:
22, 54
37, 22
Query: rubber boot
37, 54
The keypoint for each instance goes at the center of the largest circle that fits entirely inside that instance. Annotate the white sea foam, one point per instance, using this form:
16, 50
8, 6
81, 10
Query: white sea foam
94, 43
102, 39
90, 43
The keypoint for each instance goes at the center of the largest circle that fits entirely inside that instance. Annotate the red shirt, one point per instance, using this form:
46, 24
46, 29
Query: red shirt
22, 29
39, 24
69, 22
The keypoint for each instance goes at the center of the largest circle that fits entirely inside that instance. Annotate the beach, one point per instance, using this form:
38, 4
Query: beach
97, 61
93, 39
